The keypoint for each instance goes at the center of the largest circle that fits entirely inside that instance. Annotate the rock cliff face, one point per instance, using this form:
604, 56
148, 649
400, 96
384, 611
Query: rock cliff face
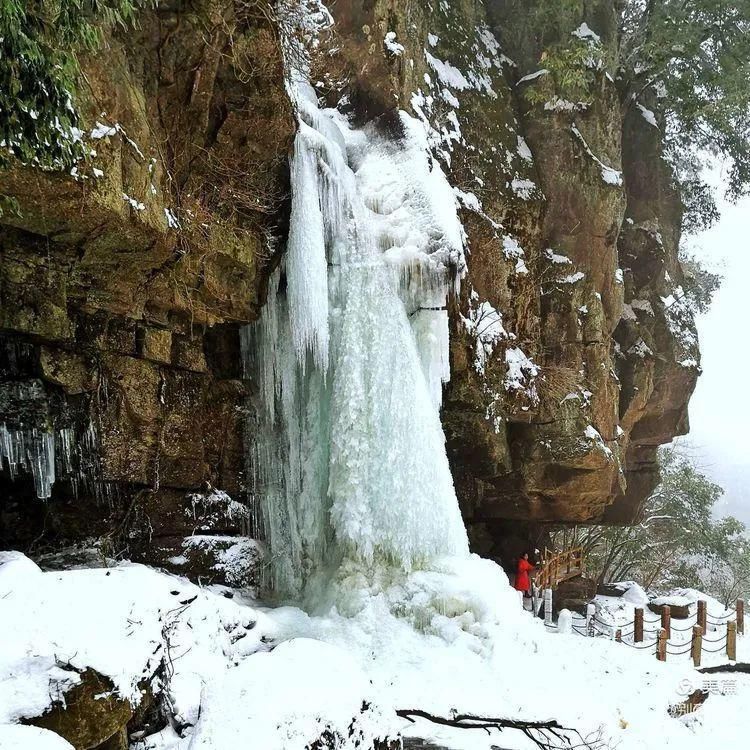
123, 287
572, 358
124, 284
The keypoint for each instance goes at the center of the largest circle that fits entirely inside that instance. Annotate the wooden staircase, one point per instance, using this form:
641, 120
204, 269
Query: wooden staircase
559, 567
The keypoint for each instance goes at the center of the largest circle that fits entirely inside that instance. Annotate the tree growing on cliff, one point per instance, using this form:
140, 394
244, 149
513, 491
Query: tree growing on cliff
694, 55
690, 59
39, 45
685, 63
700, 284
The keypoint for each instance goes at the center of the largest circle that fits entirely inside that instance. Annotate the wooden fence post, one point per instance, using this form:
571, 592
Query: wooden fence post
732, 640
697, 645
638, 630
741, 616
661, 645
702, 621
618, 635
666, 620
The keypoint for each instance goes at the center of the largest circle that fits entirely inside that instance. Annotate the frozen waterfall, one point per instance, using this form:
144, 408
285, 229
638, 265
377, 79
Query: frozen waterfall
348, 453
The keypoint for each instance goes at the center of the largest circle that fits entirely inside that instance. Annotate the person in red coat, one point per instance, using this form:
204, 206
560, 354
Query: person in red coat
523, 583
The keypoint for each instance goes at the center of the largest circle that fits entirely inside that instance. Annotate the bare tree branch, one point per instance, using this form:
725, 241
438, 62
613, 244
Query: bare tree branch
546, 735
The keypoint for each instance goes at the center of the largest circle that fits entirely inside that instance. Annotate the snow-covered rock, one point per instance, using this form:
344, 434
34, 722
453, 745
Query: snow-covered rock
125, 622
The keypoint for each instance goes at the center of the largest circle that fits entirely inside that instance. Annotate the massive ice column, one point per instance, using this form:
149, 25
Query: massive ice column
348, 453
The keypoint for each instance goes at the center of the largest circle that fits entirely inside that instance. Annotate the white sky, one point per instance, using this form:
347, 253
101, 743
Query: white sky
720, 409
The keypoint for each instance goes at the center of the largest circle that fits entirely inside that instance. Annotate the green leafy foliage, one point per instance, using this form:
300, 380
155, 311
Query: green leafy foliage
700, 211
39, 41
573, 62
9, 205
571, 72
694, 57
543, 21
699, 284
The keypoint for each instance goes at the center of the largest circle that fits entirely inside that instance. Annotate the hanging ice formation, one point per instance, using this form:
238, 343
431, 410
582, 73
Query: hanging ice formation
27, 442
40, 435
51, 454
30, 450
351, 353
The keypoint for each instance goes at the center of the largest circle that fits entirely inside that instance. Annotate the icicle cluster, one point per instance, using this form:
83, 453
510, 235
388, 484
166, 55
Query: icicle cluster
348, 454
51, 454
29, 450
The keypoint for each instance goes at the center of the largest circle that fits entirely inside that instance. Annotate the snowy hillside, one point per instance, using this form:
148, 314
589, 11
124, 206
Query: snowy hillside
241, 674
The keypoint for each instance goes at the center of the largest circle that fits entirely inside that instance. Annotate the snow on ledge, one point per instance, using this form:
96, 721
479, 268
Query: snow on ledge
584, 32
610, 175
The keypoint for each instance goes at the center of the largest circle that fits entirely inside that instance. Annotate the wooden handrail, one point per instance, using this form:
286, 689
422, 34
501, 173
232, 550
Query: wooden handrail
696, 646
559, 567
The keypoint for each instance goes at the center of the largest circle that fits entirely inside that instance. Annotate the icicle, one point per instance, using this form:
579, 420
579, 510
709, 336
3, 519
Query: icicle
307, 263
258, 344
65, 449
432, 334
31, 450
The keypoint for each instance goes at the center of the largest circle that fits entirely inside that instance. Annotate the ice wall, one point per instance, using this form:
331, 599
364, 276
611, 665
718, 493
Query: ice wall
348, 457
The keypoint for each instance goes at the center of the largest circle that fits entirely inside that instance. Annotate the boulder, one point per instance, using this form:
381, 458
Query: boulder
209, 558
677, 610
610, 589
89, 714
574, 594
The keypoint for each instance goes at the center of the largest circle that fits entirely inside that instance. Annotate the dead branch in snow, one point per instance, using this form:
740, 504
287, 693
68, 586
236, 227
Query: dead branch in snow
738, 667
546, 735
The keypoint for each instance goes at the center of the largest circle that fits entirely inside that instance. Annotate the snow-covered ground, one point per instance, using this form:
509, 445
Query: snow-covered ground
452, 639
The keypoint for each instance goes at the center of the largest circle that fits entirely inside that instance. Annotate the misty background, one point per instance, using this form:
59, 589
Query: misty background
720, 408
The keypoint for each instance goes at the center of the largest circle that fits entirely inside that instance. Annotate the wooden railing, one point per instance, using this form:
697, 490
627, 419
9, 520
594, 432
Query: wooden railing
559, 567
697, 639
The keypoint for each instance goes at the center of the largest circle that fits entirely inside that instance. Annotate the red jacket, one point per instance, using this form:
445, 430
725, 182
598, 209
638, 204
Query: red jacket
522, 575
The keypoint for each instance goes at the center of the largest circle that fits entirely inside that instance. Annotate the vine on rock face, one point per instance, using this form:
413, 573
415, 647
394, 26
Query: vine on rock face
39, 42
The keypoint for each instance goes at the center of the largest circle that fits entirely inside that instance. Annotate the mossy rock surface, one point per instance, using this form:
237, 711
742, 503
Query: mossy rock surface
89, 714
